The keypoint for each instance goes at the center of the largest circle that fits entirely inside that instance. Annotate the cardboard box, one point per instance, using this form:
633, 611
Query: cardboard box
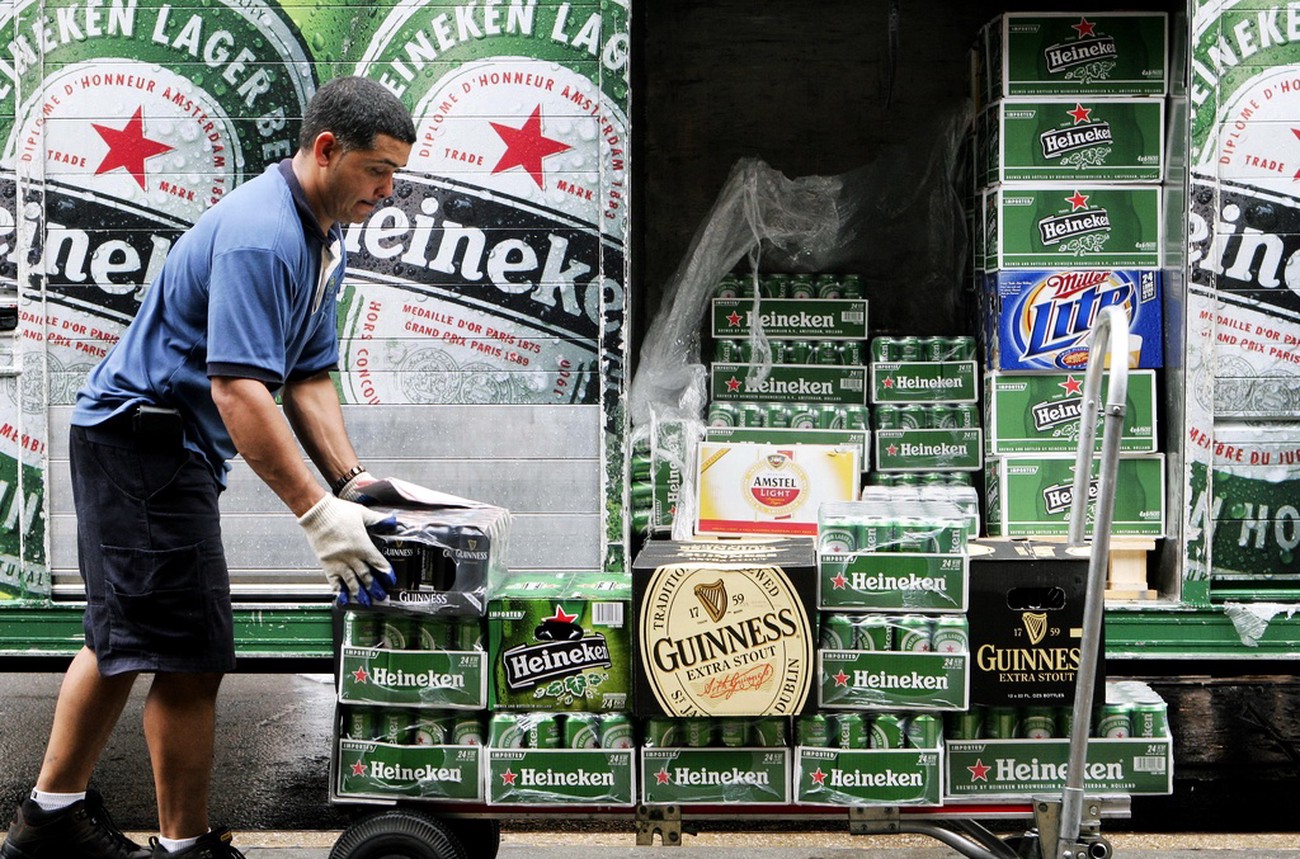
870, 777
1039, 412
765, 489
792, 318
560, 776
881, 680
724, 628
1073, 140
1040, 320
1026, 623
748, 776
929, 449
924, 382
983, 769
1031, 496
785, 436
1077, 225
374, 770
884, 581
561, 643
789, 383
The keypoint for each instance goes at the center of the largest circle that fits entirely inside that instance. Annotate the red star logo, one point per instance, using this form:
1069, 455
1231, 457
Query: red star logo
1072, 386
128, 147
359, 769
361, 675
839, 582
888, 383
1080, 113
1084, 27
733, 385
1077, 201
662, 777
526, 147
979, 772
508, 777
561, 617
841, 679
819, 777
733, 319
893, 450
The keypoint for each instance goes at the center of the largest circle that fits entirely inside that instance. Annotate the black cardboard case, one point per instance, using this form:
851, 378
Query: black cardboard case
1026, 623
725, 628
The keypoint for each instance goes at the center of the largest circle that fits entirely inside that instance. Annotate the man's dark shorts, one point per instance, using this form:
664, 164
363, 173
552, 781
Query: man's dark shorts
149, 546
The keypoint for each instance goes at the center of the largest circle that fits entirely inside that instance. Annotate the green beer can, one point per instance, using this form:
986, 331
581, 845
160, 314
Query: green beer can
914, 634
888, 417
1115, 721
543, 731
1150, 720
826, 354
801, 287
812, 730
837, 538
883, 350
780, 351
505, 732
944, 416
802, 352
776, 415
850, 731
851, 353
467, 731
726, 350
874, 632
851, 286
923, 731
907, 349
1065, 720
359, 723
1002, 723
362, 629
913, 416
616, 732
907, 478
642, 495
951, 634
639, 466
723, 415
886, 732
467, 633
776, 286
394, 724
803, 416
431, 728
1039, 723
662, 733
697, 732
398, 632
828, 286
770, 732
829, 416
581, 731
641, 521
965, 726
728, 287
733, 732
837, 632
855, 417
751, 415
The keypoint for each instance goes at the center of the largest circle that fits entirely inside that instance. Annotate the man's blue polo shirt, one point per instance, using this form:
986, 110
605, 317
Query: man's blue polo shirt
240, 295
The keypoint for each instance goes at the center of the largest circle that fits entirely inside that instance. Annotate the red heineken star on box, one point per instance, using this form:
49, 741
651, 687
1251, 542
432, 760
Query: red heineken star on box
1080, 113
842, 679
819, 777
1072, 386
979, 772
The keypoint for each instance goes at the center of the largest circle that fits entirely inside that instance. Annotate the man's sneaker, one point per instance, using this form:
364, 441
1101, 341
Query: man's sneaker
83, 829
214, 845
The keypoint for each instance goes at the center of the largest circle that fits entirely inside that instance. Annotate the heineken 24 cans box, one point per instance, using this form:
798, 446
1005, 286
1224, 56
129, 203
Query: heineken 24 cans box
868, 777
702, 775
1030, 496
1039, 412
393, 657
724, 628
1076, 54
812, 319
1040, 320
564, 776
561, 642
1026, 623
1078, 225
1090, 140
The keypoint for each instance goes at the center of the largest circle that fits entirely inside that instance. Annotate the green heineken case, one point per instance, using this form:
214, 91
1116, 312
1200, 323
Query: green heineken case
561, 642
1039, 412
1029, 496
874, 680
749, 776
872, 777
1024, 768
1076, 225
813, 319
560, 777
390, 771
1068, 53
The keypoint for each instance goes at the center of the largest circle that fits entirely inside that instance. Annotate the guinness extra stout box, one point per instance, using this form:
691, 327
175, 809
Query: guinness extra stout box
725, 628
1026, 623
560, 643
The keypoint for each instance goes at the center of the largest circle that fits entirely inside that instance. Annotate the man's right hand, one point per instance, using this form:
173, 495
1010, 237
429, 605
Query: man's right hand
337, 532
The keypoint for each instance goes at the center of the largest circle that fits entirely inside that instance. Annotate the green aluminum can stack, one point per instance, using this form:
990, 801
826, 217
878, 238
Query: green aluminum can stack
951, 634
1002, 723
581, 731
968, 725
802, 287
849, 731
1114, 721
1039, 723
723, 415
662, 732
913, 634
923, 731
837, 632
542, 731
886, 732
733, 732
770, 732
803, 416
828, 286
431, 728
616, 731
359, 723
467, 730
697, 732
813, 730
506, 732
874, 632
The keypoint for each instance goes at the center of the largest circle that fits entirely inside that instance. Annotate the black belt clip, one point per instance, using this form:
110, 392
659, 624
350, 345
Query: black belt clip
158, 424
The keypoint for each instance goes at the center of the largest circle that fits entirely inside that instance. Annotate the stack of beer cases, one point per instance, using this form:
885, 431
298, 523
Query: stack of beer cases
809, 410
1069, 159
923, 394
660, 457
892, 596
560, 691
412, 686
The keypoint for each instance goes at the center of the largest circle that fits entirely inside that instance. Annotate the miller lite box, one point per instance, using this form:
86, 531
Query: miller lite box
1075, 225
560, 642
1040, 320
725, 628
443, 549
1070, 140
1026, 622
1075, 54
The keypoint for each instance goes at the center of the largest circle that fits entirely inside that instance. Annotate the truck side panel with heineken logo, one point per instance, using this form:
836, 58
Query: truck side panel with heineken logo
487, 294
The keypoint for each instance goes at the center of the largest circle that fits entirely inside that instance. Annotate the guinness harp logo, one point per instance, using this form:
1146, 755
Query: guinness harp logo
1035, 624
713, 596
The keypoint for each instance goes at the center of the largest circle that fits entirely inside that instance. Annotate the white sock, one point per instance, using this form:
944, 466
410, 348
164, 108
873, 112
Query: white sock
54, 801
175, 845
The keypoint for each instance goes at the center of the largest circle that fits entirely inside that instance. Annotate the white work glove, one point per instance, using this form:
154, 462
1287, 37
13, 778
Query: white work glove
337, 532
351, 490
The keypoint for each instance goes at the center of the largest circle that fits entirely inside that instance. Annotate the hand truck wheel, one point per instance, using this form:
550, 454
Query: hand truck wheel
399, 833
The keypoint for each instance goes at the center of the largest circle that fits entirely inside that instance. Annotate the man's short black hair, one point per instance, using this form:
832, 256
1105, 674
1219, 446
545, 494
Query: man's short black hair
355, 109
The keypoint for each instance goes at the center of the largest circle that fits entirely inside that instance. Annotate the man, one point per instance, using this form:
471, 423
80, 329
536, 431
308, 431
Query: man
243, 308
